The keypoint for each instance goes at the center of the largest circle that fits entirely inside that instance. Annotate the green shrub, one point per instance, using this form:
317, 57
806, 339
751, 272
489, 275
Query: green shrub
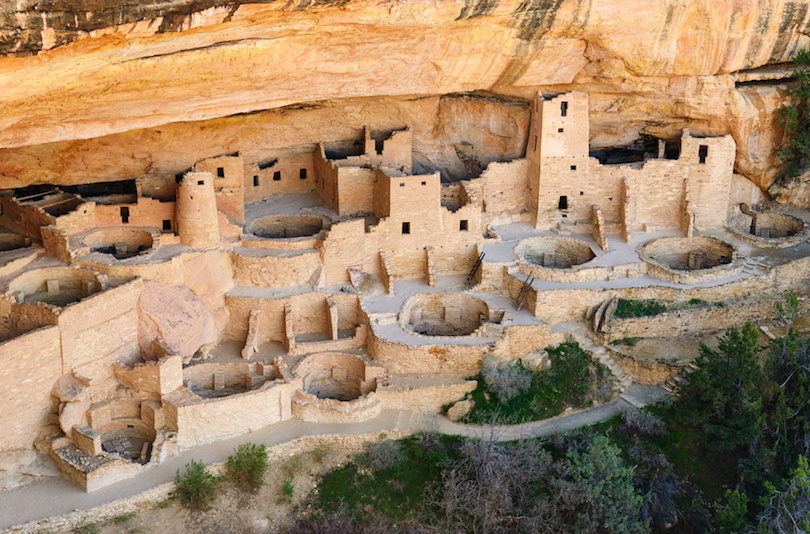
247, 467
629, 341
638, 308
287, 491
197, 487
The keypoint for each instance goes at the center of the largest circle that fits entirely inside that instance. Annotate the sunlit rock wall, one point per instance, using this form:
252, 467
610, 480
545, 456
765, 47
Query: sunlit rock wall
106, 89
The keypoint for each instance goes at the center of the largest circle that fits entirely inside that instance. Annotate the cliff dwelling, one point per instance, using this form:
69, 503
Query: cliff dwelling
153, 314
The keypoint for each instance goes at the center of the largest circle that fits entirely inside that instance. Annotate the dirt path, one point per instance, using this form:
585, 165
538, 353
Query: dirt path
56, 497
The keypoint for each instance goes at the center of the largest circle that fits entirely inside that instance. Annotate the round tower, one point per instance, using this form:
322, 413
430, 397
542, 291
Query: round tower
196, 210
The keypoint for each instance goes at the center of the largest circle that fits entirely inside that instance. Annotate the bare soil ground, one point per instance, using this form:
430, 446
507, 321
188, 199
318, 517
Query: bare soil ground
233, 511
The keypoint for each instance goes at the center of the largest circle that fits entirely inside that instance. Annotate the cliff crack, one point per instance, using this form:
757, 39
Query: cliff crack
195, 49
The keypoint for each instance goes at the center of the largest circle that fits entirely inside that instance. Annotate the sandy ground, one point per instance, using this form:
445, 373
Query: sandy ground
234, 511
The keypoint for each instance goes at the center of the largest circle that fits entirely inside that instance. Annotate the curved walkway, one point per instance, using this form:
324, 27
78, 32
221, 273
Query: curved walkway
56, 497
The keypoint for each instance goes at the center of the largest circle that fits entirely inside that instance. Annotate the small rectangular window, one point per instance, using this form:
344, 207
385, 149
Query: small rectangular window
167, 224
703, 153
563, 203
424, 183
302, 174
462, 225
124, 214
559, 130
220, 172
406, 228
563, 109
402, 184
573, 167
255, 181
277, 176
200, 182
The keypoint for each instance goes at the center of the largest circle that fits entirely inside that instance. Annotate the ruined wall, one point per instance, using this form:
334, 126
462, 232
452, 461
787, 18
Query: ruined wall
346, 245
355, 187
99, 331
269, 269
198, 421
25, 220
505, 187
29, 366
149, 212
710, 162
283, 177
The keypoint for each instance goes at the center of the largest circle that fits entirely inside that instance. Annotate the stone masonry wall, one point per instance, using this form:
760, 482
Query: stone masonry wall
29, 366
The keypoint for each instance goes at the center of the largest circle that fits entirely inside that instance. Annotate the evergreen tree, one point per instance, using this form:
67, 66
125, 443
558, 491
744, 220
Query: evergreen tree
795, 120
788, 371
723, 397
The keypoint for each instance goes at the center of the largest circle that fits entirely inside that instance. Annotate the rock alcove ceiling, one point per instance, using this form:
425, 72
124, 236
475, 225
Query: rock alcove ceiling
100, 90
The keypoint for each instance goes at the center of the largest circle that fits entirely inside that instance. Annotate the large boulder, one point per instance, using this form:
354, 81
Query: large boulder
172, 320
74, 401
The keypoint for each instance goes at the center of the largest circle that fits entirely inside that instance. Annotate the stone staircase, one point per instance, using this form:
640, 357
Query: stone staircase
564, 227
601, 354
491, 329
672, 383
756, 266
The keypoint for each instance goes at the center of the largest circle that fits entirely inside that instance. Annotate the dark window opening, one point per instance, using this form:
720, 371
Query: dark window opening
277, 176
672, 149
255, 181
581, 193
200, 182
424, 183
573, 167
563, 204
462, 225
559, 130
563, 109
302, 174
402, 184
130, 426
703, 152
124, 214
406, 228
167, 224
220, 172
267, 164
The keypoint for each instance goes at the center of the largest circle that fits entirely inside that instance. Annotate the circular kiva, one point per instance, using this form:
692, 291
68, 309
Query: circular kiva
443, 314
57, 286
285, 226
690, 259
119, 242
554, 252
335, 375
769, 229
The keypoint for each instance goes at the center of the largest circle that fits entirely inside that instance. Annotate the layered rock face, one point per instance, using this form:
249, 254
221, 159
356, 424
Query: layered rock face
97, 90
